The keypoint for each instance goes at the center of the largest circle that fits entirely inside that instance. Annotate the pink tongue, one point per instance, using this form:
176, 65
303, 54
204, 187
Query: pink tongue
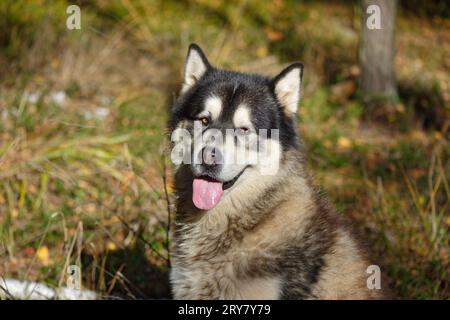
206, 194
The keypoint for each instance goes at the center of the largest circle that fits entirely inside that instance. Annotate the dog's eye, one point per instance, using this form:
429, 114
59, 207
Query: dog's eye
204, 120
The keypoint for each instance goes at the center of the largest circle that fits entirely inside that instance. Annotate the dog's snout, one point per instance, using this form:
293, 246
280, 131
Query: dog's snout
211, 156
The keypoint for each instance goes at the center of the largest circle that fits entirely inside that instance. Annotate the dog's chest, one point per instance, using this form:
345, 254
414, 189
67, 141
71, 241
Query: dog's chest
210, 269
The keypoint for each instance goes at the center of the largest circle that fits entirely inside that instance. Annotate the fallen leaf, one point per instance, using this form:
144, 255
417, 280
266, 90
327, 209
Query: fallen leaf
344, 143
112, 220
262, 52
43, 255
14, 213
29, 251
447, 221
111, 246
354, 70
417, 173
437, 135
273, 35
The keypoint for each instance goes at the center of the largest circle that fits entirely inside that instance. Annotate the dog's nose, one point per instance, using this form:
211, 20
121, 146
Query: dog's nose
211, 156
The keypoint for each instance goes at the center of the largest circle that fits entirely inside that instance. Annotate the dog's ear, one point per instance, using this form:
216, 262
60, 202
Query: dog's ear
287, 87
195, 67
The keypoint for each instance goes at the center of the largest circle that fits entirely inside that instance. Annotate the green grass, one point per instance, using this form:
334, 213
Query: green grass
84, 176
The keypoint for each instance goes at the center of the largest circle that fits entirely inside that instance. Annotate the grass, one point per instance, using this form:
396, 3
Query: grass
84, 177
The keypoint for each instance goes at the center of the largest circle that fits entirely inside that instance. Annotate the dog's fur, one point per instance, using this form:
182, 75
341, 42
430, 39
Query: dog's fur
270, 236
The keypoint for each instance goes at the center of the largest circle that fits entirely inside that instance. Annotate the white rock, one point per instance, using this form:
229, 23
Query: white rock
12, 288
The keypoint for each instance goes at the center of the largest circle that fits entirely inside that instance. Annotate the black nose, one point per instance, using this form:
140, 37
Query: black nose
211, 156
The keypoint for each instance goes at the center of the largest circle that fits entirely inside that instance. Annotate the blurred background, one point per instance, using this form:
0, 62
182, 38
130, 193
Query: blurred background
84, 170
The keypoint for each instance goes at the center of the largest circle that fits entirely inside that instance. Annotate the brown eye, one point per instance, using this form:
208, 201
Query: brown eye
205, 121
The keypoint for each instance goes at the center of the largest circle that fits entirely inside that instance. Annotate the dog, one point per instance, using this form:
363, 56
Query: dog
253, 229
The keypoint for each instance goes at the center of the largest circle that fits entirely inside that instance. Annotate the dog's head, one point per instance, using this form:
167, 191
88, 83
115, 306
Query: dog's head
228, 125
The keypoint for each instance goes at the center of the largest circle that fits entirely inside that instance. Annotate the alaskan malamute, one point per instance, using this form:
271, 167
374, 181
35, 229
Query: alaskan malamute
249, 222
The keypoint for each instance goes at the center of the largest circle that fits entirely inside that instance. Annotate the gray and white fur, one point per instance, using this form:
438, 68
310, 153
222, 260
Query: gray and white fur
269, 236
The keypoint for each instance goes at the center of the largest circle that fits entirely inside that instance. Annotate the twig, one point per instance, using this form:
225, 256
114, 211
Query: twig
140, 237
164, 177
5, 290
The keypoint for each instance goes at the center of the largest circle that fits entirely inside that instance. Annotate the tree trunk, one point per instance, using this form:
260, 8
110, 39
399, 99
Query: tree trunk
377, 50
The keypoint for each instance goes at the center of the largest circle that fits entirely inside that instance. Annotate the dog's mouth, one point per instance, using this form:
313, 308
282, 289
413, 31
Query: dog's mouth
207, 191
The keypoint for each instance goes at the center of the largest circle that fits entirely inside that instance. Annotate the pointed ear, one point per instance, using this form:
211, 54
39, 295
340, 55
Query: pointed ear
195, 67
287, 87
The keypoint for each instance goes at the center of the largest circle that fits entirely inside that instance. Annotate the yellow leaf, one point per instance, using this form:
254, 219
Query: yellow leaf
262, 52
43, 255
437, 135
344, 143
447, 221
170, 188
112, 220
421, 200
111, 246
14, 213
